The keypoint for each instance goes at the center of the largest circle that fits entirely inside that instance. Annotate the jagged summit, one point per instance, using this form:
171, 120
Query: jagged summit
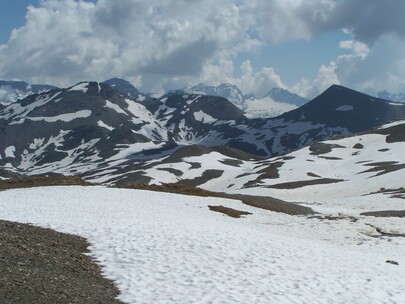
124, 87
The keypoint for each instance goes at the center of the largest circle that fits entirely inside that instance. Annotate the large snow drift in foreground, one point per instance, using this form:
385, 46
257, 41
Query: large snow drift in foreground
167, 248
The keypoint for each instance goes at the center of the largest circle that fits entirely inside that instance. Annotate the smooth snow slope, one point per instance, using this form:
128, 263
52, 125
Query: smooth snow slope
167, 248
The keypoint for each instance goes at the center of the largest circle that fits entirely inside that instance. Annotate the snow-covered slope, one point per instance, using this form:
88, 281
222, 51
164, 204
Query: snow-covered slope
266, 107
172, 249
341, 169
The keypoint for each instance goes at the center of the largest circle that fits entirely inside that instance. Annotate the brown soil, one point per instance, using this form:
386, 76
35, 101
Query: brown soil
322, 148
39, 181
40, 265
394, 193
358, 146
228, 211
299, 184
384, 168
385, 213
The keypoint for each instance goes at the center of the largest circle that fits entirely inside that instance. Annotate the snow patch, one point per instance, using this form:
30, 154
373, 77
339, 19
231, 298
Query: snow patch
204, 117
104, 125
344, 108
9, 151
63, 117
80, 87
114, 107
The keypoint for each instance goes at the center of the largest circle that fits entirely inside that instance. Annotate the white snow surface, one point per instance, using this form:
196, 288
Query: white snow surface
67, 117
204, 117
168, 248
114, 107
266, 107
9, 151
80, 87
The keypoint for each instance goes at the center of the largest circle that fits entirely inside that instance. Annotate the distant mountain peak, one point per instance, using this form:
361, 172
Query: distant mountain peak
11, 91
124, 87
226, 90
398, 97
285, 96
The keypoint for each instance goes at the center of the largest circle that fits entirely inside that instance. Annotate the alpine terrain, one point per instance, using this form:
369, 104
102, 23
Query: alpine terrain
193, 200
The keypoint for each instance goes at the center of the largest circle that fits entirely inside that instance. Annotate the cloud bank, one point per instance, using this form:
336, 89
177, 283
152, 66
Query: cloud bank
162, 44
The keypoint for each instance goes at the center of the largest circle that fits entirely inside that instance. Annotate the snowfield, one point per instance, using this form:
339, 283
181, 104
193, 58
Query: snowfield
168, 248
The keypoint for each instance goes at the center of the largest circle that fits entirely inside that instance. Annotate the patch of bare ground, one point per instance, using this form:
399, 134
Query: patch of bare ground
323, 148
358, 146
383, 167
394, 193
394, 134
41, 181
385, 213
312, 174
271, 171
330, 157
335, 217
205, 177
228, 211
300, 184
263, 202
40, 265
172, 170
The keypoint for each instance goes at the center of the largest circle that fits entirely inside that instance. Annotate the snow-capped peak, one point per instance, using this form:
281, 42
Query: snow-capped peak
226, 90
400, 97
285, 96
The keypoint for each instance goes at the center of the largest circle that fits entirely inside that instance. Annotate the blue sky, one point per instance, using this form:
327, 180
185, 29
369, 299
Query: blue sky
304, 46
12, 15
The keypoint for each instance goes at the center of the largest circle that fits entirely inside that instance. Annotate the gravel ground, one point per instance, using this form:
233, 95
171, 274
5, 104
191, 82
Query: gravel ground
40, 265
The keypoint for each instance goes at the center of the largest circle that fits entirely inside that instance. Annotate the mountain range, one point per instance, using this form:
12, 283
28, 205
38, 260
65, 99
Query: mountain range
274, 103
93, 130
